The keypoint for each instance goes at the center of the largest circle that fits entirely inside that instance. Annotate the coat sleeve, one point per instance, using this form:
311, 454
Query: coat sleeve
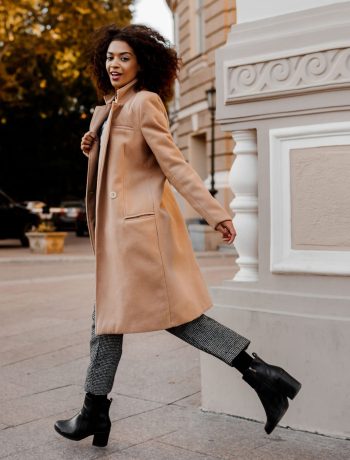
155, 130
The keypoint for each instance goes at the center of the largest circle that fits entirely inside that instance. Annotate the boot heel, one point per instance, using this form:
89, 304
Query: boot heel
101, 439
289, 385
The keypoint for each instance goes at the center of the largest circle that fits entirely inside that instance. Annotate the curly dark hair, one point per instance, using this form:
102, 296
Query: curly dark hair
158, 61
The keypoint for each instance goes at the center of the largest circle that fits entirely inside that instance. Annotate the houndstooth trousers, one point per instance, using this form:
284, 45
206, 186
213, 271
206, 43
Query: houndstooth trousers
204, 333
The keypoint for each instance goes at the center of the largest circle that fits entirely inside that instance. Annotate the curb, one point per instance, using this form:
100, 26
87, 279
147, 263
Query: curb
46, 258
67, 258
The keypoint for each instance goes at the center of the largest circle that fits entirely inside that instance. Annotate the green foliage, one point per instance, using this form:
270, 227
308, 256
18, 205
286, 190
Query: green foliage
42, 45
45, 227
46, 94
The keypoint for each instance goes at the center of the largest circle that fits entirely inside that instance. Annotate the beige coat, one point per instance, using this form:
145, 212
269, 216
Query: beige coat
147, 277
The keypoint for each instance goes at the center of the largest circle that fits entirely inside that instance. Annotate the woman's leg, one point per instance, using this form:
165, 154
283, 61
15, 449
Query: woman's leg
208, 335
105, 354
93, 418
272, 384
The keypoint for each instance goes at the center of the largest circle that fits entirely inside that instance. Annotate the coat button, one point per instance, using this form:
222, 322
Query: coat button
113, 195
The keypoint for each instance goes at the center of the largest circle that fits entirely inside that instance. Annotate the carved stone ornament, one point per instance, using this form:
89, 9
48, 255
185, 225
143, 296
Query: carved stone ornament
291, 75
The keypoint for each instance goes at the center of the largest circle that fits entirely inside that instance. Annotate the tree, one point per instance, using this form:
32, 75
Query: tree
41, 50
44, 85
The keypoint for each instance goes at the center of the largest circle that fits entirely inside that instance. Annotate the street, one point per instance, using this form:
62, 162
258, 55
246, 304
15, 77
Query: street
46, 306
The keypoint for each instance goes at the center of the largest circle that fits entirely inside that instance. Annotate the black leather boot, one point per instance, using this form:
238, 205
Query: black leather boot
273, 386
93, 419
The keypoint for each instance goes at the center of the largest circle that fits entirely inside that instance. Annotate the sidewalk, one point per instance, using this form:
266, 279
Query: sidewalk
76, 248
44, 351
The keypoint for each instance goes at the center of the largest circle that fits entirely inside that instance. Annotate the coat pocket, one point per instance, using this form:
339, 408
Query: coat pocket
123, 127
139, 216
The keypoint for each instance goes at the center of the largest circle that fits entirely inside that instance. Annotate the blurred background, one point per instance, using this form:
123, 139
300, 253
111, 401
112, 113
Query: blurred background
46, 94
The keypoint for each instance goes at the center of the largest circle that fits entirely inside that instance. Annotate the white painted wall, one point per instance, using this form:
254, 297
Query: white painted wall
251, 10
297, 321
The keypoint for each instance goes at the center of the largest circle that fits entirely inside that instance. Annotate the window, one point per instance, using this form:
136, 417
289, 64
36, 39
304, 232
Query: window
198, 154
199, 27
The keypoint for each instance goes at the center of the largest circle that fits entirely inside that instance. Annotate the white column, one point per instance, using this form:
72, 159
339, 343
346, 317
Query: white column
243, 180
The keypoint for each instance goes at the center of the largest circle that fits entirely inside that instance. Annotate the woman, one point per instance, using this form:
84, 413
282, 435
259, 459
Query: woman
147, 277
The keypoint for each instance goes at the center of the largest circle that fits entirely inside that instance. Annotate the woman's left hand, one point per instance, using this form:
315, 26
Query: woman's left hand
228, 231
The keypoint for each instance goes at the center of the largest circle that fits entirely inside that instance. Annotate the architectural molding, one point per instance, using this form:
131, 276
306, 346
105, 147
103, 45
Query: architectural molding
198, 64
252, 10
191, 110
194, 120
284, 259
312, 72
280, 65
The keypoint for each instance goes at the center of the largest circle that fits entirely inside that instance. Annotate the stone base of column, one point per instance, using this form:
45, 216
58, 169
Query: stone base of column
306, 335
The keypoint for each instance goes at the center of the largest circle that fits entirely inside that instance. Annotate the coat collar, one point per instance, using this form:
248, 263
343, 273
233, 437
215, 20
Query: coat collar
121, 94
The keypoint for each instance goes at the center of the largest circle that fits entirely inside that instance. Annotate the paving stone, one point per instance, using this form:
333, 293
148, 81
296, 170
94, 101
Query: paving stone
11, 390
146, 426
11, 343
31, 348
156, 450
225, 436
16, 327
41, 405
44, 354
58, 447
72, 372
124, 406
293, 445
38, 440
190, 401
63, 449
27, 436
51, 358
24, 270
165, 377
217, 435
154, 344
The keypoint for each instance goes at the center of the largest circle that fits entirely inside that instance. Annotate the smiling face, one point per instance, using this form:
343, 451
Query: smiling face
121, 64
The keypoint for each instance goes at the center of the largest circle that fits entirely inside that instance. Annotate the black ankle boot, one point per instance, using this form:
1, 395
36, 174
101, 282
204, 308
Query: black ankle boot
273, 385
93, 419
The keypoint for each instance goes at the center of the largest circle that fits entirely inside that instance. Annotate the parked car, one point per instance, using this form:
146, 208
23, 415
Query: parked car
66, 218
35, 206
81, 228
15, 219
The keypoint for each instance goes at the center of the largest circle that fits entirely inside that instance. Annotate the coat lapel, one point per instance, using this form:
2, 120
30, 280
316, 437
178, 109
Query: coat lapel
99, 116
115, 101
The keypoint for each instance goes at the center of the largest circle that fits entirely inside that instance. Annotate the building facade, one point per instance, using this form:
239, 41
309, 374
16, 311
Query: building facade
200, 27
283, 81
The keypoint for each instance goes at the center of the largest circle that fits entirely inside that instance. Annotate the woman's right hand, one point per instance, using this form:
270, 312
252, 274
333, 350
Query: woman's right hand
87, 141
